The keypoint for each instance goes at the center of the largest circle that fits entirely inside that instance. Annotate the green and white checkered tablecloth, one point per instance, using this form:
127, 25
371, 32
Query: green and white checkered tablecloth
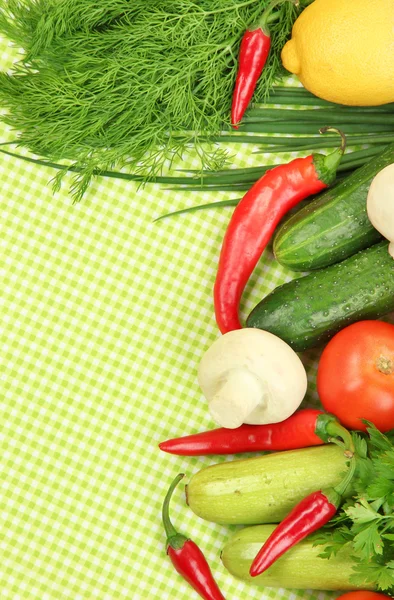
104, 318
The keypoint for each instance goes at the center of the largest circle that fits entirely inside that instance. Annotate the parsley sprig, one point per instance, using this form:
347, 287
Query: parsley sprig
365, 521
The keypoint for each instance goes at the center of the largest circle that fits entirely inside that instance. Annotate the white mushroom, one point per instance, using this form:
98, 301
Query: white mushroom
380, 204
251, 376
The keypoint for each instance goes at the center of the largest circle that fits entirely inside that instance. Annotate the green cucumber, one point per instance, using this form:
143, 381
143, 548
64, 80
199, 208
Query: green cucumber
309, 310
334, 225
263, 489
300, 568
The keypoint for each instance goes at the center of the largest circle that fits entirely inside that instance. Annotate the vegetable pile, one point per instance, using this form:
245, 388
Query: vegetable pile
339, 495
136, 84
356, 476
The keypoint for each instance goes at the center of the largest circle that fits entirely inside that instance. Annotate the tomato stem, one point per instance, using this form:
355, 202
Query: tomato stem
385, 365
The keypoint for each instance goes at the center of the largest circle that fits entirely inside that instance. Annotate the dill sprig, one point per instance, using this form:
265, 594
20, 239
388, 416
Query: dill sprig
128, 83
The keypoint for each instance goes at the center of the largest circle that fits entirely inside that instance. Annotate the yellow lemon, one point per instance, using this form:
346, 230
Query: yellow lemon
343, 51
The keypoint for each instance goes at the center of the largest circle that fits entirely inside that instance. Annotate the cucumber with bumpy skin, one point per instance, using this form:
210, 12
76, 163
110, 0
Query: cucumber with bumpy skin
309, 310
334, 225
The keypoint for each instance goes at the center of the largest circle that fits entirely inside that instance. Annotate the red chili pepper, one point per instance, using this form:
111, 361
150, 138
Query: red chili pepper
253, 54
306, 427
186, 556
310, 514
255, 219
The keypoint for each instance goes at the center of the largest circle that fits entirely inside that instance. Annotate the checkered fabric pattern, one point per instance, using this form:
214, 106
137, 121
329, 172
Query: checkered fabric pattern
104, 316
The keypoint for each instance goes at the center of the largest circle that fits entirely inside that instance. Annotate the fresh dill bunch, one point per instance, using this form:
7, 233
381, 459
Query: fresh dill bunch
128, 83
365, 522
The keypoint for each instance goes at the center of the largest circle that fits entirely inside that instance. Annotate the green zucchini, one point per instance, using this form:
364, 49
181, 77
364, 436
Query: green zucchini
263, 489
300, 568
332, 226
309, 310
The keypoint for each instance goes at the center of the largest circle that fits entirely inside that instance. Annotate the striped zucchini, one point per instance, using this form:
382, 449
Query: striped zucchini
300, 568
263, 489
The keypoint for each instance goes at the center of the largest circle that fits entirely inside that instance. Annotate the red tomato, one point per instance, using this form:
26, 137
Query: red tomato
362, 596
355, 378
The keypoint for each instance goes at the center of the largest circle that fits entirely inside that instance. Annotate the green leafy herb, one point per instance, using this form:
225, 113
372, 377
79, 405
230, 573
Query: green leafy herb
128, 82
366, 521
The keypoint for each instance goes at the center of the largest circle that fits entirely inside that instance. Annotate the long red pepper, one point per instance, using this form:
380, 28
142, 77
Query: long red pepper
186, 556
310, 514
253, 54
255, 219
307, 516
306, 427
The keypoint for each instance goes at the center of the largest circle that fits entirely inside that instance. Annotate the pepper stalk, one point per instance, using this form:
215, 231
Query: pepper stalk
186, 556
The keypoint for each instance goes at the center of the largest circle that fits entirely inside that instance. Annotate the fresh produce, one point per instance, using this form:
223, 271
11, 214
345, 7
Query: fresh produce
309, 515
253, 54
343, 51
334, 225
251, 376
380, 204
355, 377
120, 83
254, 220
309, 310
365, 523
187, 557
306, 427
263, 489
301, 568
359, 536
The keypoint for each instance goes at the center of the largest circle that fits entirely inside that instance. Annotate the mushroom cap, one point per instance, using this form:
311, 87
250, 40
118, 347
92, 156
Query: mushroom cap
237, 360
380, 202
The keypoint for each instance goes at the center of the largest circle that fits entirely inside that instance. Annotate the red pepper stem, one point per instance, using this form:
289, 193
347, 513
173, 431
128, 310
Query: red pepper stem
174, 539
336, 430
342, 487
326, 165
265, 17
328, 128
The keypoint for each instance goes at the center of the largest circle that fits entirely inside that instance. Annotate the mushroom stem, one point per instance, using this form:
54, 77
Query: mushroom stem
239, 393
391, 249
